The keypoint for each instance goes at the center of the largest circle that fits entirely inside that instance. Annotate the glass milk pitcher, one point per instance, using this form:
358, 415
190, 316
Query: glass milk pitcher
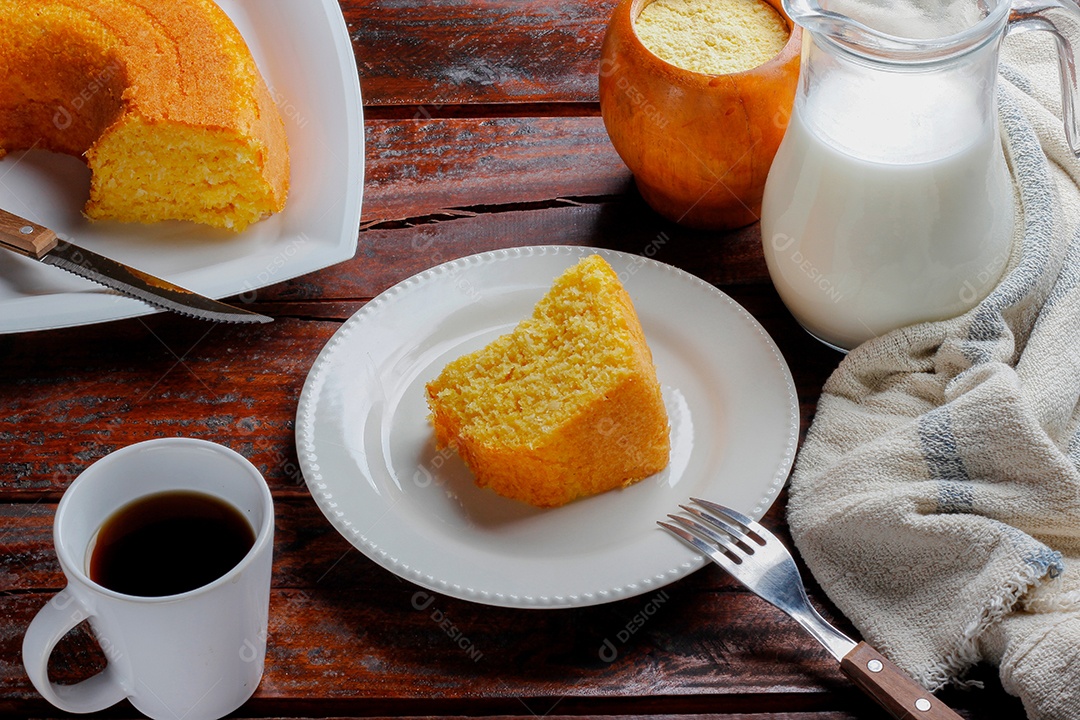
889, 201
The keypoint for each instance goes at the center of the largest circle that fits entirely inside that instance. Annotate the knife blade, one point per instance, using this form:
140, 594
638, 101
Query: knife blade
42, 244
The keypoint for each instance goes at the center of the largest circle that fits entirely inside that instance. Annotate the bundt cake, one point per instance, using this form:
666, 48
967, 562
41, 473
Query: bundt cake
565, 406
161, 97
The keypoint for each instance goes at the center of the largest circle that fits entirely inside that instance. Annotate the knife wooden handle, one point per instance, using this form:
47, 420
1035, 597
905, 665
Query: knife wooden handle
891, 687
25, 237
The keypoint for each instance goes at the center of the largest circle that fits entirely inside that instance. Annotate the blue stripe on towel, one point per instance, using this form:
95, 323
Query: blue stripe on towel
1069, 277
1074, 449
1044, 561
944, 462
1017, 78
988, 328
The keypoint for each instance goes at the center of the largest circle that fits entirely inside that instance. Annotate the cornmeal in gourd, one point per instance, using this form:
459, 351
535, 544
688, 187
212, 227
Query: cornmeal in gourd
714, 37
161, 97
567, 405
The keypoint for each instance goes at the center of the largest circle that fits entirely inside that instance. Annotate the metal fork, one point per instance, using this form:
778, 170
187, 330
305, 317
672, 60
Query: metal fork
757, 559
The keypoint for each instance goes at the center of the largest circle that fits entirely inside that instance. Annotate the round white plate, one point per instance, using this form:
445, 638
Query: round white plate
303, 49
368, 454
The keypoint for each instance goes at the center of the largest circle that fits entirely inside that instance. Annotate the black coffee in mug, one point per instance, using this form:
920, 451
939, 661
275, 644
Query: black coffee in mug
169, 543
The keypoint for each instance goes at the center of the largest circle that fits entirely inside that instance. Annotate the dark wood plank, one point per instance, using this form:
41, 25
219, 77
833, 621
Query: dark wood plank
386, 647
510, 182
430, 54
387, 256
154, 377
827, 715
378, 641
424, 170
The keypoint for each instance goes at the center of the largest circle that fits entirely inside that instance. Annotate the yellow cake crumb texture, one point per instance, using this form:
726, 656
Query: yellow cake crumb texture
714, 37
160, 97
565, 406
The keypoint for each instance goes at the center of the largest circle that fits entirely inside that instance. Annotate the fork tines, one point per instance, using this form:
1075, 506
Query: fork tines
729, 531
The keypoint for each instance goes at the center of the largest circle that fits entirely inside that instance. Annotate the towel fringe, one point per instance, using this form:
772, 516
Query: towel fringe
951, 669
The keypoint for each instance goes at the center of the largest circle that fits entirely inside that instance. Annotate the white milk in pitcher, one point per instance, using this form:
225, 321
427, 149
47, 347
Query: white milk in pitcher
881, 210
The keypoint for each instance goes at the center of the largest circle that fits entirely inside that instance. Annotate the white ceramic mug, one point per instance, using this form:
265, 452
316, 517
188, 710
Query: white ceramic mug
194, 655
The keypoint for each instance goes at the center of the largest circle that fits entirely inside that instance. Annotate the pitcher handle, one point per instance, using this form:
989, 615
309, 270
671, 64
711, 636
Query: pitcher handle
1061, 18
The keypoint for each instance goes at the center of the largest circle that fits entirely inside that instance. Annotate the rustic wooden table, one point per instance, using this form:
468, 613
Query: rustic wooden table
483, 131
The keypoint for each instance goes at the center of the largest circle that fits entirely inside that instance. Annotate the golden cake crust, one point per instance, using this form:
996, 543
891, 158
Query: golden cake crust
103, 78
610, 434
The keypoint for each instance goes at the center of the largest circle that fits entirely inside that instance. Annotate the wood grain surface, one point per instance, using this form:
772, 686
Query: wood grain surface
482, 132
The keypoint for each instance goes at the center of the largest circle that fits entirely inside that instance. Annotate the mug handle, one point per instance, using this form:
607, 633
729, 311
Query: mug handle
58, 617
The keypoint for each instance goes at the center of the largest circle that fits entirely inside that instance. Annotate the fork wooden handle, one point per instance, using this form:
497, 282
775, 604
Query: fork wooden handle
891, 687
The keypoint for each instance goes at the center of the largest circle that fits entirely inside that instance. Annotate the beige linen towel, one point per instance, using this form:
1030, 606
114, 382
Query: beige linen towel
936, 498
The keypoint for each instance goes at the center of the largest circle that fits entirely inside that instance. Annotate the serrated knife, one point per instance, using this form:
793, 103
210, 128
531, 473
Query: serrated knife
42, 244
